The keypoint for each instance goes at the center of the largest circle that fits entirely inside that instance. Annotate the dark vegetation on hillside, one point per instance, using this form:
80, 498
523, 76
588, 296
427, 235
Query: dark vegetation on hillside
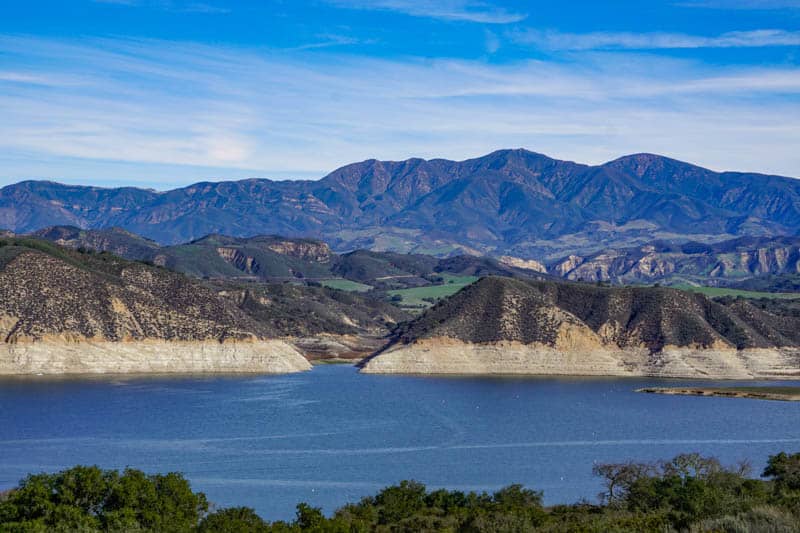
299, 310
115, 240
495, 309
788, 282
776, 306
386, 270
58, 291
689, 493
100, 263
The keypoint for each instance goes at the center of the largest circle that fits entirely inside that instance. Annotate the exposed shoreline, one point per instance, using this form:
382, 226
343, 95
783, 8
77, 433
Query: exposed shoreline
448, 356
435, 356
783, 394
150, 357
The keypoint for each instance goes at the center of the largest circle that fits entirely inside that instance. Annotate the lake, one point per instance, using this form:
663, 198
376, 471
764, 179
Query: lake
331, 435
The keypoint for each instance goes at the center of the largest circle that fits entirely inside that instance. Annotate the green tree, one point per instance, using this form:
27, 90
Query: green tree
233, 520
619, 478
401, 501
309, 518
86, 498
178, 508
784, 470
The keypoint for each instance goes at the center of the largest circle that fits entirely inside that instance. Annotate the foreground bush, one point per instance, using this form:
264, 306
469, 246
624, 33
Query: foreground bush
689, 493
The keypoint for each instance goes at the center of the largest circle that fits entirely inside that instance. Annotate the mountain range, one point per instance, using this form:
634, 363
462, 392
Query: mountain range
509, 202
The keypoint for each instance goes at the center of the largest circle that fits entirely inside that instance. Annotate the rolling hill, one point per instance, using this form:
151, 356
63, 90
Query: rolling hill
755, 263
62, 311
512, 326
274, 259
62, 296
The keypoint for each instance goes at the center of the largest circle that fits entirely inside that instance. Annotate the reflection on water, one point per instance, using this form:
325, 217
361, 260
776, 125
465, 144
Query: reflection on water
331, 435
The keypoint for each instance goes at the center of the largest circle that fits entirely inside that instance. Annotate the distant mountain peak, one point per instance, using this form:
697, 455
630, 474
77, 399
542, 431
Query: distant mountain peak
646, 160
514, 153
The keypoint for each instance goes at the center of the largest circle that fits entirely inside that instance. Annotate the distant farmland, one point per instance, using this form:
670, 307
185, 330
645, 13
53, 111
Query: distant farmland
416, 297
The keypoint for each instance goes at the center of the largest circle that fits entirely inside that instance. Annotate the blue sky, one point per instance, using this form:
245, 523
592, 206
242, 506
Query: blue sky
162, 93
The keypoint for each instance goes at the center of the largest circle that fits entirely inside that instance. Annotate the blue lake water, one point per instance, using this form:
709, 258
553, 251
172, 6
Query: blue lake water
330, 436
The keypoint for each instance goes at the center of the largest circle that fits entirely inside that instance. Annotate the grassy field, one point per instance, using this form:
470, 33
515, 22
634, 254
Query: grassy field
345, 285
721, 291
414, 298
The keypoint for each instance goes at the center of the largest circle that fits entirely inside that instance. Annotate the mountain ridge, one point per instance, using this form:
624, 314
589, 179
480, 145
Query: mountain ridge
509, 202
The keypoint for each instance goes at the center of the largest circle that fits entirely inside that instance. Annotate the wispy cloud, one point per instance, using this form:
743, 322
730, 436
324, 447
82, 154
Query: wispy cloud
492, 42
180, 6
553, 40
146, 104
457, 10
327, 40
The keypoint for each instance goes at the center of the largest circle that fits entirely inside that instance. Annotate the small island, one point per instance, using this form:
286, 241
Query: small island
785, 394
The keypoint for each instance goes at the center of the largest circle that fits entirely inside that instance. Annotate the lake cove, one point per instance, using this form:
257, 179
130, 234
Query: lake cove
331, 435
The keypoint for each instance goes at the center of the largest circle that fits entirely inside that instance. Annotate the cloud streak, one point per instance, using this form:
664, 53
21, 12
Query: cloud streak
230, 112
552, 40
328, 40
453, 10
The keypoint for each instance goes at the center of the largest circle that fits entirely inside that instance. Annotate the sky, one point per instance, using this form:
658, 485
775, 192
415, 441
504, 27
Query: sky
164, 93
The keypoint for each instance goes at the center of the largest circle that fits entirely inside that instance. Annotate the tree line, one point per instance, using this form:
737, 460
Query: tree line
687, 493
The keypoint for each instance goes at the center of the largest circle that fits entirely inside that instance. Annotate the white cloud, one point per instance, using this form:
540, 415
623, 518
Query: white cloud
457, 10
152, 104
553, 40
